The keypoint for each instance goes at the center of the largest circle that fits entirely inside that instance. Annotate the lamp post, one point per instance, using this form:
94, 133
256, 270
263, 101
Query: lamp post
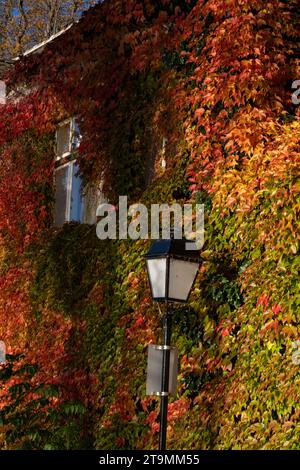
172, 270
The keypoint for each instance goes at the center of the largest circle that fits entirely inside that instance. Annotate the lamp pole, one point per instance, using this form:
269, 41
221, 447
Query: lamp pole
172, 269
167, 330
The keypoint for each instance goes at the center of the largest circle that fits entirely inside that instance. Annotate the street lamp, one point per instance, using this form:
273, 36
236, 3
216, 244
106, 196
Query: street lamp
172, 270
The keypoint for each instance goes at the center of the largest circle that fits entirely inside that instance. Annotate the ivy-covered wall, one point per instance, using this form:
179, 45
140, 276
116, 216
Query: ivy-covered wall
76, 312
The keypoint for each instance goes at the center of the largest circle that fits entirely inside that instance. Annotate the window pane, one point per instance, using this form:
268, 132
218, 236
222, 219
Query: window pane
61, 193
2, 352
63, 139
2, 92
76, 199
76, 136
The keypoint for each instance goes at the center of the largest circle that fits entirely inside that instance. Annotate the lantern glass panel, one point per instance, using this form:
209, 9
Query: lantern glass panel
157, 269
181, 278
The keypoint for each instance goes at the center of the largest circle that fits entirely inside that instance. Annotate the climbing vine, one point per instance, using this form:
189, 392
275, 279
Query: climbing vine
214, 78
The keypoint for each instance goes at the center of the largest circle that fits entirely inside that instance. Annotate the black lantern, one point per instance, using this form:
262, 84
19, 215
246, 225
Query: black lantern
172, 270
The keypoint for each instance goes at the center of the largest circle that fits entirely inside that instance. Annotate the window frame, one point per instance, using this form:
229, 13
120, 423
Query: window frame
68, 160
72, 122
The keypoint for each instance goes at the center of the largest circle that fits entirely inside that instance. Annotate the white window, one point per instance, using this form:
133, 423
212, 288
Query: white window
2, 92
163, 162
67, 138
68, 197
71, 203
2, 352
